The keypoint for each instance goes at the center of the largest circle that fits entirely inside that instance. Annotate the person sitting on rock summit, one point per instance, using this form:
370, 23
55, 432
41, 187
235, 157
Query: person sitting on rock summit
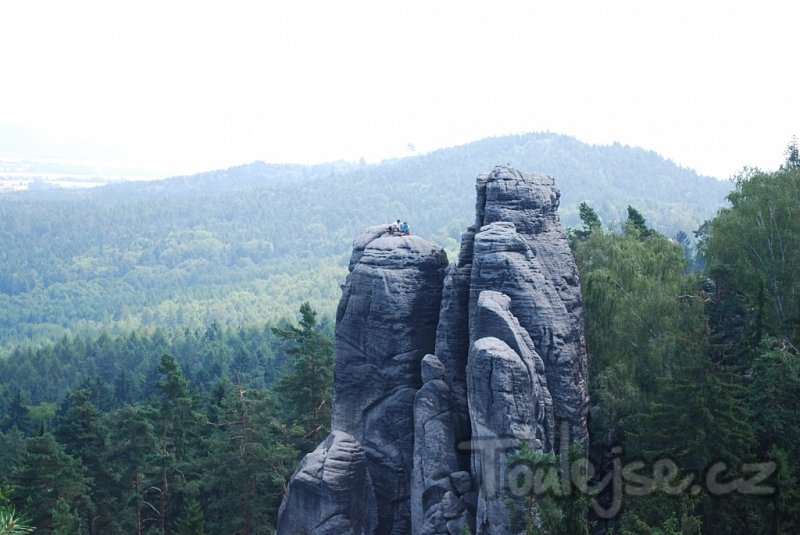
404, 228
394, 228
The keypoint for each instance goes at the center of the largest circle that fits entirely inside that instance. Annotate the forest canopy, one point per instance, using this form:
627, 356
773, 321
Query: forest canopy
247, 245
693, 365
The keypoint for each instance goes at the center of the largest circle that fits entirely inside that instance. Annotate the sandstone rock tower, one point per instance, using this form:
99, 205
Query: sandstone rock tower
442, 370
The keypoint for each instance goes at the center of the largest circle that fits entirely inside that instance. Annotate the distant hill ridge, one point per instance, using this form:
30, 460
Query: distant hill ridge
247, 244
609, 177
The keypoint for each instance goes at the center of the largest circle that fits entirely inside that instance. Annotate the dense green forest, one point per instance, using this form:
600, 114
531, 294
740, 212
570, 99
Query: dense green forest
189, 433
246, 245
694, 376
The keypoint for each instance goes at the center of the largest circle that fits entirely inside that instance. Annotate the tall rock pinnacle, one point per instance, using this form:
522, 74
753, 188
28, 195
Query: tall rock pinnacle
442, 371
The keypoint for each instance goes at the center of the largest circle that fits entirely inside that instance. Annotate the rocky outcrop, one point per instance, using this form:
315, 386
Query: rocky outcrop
452, 338
522, 251
331, 492
509, 405
441, 372
435, 456
386, 324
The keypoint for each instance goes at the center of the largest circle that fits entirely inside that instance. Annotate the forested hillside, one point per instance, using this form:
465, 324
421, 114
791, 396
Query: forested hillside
693, 379
694, 375
248, 244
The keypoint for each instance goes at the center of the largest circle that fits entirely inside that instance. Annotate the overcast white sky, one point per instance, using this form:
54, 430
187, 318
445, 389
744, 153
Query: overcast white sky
185, 86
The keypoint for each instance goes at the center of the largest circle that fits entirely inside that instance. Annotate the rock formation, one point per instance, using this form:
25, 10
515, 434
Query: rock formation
331, 492
442, 371
386, 324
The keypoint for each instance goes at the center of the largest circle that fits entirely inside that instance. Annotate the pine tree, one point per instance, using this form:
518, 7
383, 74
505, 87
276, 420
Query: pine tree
774, 401
591, 222
248, 462
192, 521
697, 420
792, 154
774, 405
133, 446
177, 430
637, 225
783, 510
18, 414
46, 474
12, 446
306, 387
65, 520
11, 523
81, 432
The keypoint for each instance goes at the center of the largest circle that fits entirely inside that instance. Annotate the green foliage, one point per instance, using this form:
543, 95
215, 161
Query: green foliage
115, 370
658, 390
683, 524
65, 520
170, 460
11, 523
774, 401
590, 222
792, 154
248, 463
757, 241
17, 413
774, 405
248, 244
637, 225
131, 455
698, 419
752, 250
550, 510
176, 429
12, 446
698, 415
783, 510
48, 483
81, 431
306, 387
192, 522
638, 306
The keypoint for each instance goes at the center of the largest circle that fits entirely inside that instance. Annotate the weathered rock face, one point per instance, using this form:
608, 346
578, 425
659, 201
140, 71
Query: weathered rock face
452, 338
522, 251
435, 456
331, 492
386, 324
509, 404
439, 373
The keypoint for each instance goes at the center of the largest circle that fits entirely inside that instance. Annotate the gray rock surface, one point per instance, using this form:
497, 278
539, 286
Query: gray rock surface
432, 359
509, 405
452, 336
386, 324
331, 492
462, 481
531, 406
364, 238
434, 442
542, 281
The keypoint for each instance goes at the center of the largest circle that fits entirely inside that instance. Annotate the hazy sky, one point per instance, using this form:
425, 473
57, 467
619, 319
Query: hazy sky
184, 86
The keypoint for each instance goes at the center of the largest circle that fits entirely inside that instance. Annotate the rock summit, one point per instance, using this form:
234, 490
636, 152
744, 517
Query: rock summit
442, 371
